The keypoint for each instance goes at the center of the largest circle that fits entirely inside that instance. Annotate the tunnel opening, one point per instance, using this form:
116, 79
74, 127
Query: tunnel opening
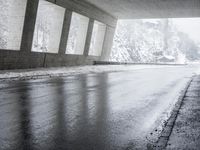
169, 40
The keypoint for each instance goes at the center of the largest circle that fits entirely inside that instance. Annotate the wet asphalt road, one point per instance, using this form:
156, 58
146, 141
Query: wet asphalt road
105, 111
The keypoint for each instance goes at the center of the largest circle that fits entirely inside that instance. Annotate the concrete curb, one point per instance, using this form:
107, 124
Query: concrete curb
67, 71
38, 76
130, 63
167, 130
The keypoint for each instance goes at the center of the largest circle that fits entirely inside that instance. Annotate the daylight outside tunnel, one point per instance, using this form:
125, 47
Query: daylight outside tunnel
99, 74
169, 40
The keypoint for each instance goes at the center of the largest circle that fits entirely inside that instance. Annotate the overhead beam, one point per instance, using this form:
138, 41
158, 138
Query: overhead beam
136, 9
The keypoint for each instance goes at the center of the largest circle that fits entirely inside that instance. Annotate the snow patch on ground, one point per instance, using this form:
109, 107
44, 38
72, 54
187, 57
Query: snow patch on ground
67, 71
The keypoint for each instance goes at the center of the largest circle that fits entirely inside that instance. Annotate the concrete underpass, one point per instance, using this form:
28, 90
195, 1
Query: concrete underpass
67, 96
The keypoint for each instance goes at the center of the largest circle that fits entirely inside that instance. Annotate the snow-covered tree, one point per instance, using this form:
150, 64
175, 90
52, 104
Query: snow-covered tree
152, 41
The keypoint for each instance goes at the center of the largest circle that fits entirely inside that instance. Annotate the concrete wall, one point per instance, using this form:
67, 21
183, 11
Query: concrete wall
25, 58
21, 60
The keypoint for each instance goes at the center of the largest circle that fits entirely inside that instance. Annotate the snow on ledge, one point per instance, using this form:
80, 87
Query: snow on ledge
67, 71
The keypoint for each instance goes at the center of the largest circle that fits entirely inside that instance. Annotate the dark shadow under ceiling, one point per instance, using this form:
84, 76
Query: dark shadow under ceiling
133, 9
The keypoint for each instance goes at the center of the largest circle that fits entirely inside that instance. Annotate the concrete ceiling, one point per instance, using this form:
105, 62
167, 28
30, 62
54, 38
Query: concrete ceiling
131, 9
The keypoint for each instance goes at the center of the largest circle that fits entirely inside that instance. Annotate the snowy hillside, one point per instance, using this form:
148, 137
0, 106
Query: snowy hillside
152, 41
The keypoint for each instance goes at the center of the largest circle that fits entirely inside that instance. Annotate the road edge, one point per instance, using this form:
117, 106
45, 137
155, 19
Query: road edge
167, 129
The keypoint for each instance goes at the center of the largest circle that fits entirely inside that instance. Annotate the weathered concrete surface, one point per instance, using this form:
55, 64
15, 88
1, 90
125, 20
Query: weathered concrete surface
25, 58
104, 111
29, 25
132, 9
186, 131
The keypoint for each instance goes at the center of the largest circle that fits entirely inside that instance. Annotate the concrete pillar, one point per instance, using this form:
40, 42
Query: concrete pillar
108, 42
29, 25
65, 32
88, 38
